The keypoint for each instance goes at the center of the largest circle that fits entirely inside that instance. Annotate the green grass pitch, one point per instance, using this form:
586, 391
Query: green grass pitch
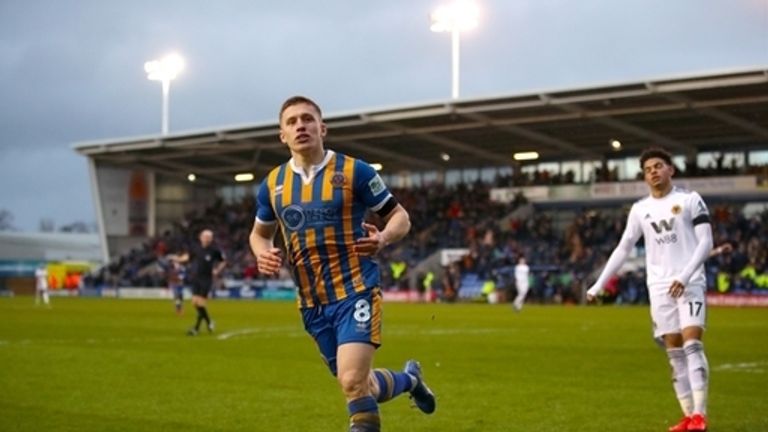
126, 365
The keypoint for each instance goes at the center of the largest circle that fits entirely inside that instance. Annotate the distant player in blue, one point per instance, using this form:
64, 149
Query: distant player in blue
318, 200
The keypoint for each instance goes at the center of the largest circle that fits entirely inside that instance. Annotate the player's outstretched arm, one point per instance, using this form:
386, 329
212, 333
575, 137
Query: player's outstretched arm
618, 256
630, 236
179, 259
722, 249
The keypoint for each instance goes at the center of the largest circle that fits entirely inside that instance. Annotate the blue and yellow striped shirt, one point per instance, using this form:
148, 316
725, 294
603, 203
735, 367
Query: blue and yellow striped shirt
320, 218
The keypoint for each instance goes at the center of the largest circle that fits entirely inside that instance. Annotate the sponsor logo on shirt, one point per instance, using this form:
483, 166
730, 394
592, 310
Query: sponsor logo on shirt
663, 225
376, 185
297, 217
293, 217
664, 228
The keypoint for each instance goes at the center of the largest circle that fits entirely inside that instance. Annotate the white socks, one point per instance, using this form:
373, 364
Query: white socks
680, 379
698, 374
690, 376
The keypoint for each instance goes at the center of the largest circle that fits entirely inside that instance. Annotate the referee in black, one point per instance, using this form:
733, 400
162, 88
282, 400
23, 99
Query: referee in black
207, 262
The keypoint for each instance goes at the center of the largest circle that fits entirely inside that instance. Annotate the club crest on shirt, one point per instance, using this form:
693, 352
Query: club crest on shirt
676, 209
338, 179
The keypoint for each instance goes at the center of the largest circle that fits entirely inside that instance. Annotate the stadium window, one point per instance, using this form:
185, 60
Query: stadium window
620, 166
737, 160
488, 175
440, 178
631, 169
469, 175
172, 191
733, 160
677, 161
417, 180
758, 157
225, 193
529, 169
705, 160
233, 194
429, 178
405, 180
588, 170
573, 166
401, 181
411, 179
728, 160
553, 168
452, 177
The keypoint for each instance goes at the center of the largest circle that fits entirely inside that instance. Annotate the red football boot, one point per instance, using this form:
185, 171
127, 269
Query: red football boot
681, 426
698, 423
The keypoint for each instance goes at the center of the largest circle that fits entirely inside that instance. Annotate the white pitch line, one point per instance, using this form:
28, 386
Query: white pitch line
293, 332
751, 367
257, 330
441, 332
285, 331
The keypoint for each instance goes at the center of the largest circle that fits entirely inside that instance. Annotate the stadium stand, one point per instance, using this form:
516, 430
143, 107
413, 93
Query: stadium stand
564, 211
564, 246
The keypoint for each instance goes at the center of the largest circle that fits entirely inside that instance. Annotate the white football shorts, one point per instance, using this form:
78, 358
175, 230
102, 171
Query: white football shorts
672, 315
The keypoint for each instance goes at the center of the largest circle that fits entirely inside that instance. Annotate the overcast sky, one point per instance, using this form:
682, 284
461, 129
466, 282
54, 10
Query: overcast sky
72, 70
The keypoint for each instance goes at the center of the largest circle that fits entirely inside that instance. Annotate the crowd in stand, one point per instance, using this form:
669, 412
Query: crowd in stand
564, 252
746, 268
146, 266
564, 261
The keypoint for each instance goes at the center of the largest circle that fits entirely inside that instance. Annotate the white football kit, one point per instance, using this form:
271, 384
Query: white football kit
521, 283
41, 279
675, 250
41, 285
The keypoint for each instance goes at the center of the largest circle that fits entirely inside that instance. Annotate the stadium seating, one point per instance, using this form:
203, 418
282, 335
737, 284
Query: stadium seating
565, 247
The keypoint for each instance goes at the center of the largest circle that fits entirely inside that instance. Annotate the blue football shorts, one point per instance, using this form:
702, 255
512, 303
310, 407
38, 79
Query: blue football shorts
355, 319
